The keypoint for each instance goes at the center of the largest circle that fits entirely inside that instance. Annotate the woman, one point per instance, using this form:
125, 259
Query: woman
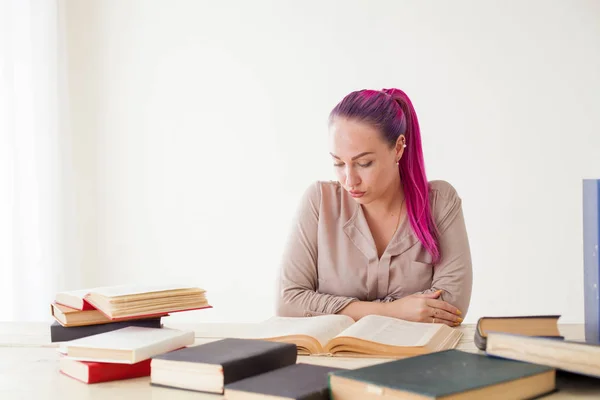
382, 239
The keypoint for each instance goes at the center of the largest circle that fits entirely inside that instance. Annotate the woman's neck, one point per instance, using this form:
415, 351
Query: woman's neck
388, 204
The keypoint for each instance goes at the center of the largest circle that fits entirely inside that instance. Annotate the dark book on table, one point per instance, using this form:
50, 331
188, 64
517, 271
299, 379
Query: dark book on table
294, 382
59, 333
211, 366
591, 258
446, 374
530, 325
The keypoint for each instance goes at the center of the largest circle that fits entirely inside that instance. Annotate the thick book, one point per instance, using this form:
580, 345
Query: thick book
591, 259
576, 357
70, 317
450, 374
373, 335
59, 333
294, 382
530, 325
211, 366
128, 345
95, 372
141, 301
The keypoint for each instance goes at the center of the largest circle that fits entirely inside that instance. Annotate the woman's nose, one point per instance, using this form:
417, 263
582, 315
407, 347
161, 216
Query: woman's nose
352, 178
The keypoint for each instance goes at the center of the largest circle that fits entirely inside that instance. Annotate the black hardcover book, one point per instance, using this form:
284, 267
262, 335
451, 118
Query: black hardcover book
59, 333
294, 382
446, 374
211, 366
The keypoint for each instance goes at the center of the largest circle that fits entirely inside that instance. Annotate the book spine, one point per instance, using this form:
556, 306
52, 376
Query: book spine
59, 333
480, 340
277, 358
591, 261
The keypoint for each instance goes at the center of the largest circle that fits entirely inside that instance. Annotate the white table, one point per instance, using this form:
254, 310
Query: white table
29, 366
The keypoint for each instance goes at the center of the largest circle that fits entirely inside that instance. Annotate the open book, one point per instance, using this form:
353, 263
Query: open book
373, 335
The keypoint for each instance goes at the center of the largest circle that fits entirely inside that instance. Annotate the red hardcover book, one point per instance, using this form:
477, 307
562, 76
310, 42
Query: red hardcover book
95, 372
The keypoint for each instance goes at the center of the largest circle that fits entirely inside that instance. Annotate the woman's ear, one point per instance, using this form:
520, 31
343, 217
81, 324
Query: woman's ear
400, 146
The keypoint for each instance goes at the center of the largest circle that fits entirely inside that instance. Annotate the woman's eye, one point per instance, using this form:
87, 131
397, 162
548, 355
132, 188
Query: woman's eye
366, 165
338, 164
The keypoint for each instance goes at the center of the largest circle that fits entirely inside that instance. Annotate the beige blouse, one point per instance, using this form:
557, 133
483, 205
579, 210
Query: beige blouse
331, 259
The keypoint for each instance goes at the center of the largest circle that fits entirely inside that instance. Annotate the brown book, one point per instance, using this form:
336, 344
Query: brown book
139, 301
70, 317
373, 335
529, 325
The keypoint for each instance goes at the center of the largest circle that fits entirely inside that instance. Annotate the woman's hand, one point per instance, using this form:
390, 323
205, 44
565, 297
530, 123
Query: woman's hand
424, 308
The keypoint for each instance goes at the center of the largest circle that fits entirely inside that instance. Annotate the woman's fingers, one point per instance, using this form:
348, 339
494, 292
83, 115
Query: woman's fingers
445, 322
444, 316
442, 305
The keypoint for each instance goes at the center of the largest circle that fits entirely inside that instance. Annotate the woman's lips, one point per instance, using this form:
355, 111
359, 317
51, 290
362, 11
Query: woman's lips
356, 193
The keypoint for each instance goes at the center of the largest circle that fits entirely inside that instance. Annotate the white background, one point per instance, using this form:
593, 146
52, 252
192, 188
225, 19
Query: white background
196, 125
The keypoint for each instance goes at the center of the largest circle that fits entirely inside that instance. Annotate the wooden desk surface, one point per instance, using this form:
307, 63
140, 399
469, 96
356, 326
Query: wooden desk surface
29, 366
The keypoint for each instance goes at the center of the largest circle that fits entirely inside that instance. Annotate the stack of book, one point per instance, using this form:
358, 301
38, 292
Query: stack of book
96, 314
120, 354
82, 313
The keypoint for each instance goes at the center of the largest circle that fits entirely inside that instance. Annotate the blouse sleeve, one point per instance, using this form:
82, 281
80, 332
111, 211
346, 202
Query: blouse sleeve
453, 273
297, 295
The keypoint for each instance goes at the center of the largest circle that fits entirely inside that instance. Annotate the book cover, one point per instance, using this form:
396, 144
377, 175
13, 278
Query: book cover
59, 333
96, 372
591, 260
445, 373
297, 381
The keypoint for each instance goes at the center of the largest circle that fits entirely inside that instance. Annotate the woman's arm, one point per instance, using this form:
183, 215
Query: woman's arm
453, 274
297, 296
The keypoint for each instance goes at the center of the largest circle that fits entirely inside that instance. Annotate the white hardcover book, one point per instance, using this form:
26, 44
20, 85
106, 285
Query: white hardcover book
128, 345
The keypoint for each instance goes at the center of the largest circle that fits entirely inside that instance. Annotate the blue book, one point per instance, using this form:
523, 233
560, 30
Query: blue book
591, 261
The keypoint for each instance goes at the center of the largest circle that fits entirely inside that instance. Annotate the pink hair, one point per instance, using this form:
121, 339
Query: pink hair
392, 112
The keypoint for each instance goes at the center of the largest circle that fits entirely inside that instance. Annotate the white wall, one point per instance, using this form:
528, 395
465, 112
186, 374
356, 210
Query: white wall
198, 124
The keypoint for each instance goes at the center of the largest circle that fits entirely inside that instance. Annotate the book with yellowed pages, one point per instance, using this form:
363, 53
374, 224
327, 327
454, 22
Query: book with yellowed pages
70, 317
373, 335
529, 325
127, 301
572, 356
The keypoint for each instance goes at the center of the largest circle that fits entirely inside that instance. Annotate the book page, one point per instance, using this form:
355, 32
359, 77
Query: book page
392, 331
323, 327
80, 294
125, 290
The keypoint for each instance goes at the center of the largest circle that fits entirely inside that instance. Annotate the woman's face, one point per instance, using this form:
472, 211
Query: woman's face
365, 165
